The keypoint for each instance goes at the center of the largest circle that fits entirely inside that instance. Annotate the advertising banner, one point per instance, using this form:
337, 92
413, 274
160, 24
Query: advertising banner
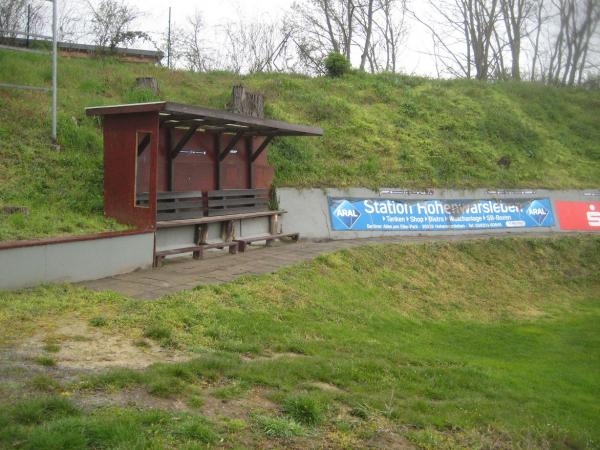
578, 216
379, 214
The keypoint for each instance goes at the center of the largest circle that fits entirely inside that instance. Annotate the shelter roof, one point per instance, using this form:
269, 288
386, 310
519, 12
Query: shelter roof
177, 115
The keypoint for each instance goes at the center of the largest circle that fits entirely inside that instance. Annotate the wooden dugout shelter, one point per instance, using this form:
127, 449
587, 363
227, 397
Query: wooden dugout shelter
169, 164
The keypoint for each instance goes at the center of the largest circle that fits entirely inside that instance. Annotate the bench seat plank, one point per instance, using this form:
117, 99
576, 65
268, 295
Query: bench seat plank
243, 242
237, 192
197, 250
217, 219
169, 195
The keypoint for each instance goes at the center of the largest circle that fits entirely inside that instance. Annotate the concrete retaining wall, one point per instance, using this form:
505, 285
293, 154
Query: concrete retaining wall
308, 209
78, 259
25, 264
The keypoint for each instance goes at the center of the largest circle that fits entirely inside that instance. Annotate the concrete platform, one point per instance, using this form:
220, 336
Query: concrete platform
220, 267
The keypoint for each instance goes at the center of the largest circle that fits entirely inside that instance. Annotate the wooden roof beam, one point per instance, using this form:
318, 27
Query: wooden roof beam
184, 140
182, 123
261, 148
230, 146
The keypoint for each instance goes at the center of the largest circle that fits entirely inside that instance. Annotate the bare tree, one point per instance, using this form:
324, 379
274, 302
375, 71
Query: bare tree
539, 21
391, 27
326, 26
17, 17
380, 32
191, 46
259, 47
366, 16
112, 22
466, 35
480, 20
515, 14
70, 21
577, 24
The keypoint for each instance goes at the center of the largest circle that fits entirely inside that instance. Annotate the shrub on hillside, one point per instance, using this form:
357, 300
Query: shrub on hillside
337, 64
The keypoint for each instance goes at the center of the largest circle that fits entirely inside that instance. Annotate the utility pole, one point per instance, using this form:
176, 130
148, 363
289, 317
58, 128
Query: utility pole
169, 41
28, 22
54, 68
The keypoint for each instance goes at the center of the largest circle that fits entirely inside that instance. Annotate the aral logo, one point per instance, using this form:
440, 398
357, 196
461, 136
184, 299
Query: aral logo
347, 214
538, 212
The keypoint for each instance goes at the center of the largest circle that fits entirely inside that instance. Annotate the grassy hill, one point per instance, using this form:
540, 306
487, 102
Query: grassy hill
381, 130
490, 344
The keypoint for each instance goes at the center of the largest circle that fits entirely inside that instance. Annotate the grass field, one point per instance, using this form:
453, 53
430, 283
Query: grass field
380, 131
488, 344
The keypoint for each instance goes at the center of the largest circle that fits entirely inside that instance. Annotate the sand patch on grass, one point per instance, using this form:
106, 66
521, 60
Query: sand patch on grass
239, 408
327, 387
271, 356
84, 347
134, 397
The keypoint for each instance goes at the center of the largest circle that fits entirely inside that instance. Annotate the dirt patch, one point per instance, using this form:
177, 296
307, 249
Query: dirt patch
84, 347
238, 408
271, 356
130, 398
325, 386
388, 439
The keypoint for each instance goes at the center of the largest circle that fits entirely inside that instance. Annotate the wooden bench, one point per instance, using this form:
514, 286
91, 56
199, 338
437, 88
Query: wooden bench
222, 206
269, 238
237, 201
201, 232
175, 205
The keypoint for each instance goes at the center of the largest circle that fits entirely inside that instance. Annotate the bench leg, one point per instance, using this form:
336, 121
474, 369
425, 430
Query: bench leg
198, 254
200, 234
273, 224
158, 261
233, 249
227, 231
269, 242
242, 246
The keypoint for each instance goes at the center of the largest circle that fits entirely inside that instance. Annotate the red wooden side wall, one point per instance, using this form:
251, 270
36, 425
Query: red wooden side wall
120, 154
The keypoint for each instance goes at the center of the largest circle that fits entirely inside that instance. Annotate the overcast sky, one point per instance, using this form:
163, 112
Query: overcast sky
413, 60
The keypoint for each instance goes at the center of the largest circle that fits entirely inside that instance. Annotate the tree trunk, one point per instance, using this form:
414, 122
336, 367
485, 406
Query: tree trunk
368, 32
148, 83
247, 103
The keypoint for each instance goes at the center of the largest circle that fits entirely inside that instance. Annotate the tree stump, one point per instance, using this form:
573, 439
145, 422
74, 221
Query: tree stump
246, 102
148, 83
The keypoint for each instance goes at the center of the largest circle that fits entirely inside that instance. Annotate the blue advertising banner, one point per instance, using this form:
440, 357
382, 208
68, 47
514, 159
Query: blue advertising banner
379, 214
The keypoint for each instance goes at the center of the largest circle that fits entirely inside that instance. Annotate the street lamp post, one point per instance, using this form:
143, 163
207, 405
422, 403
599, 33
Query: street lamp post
54, 69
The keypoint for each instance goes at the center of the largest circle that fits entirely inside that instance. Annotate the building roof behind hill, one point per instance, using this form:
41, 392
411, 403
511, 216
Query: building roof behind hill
128, 53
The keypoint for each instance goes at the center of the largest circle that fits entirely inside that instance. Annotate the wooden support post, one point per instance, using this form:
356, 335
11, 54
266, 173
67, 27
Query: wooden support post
218, 169
250, 161
170, 161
